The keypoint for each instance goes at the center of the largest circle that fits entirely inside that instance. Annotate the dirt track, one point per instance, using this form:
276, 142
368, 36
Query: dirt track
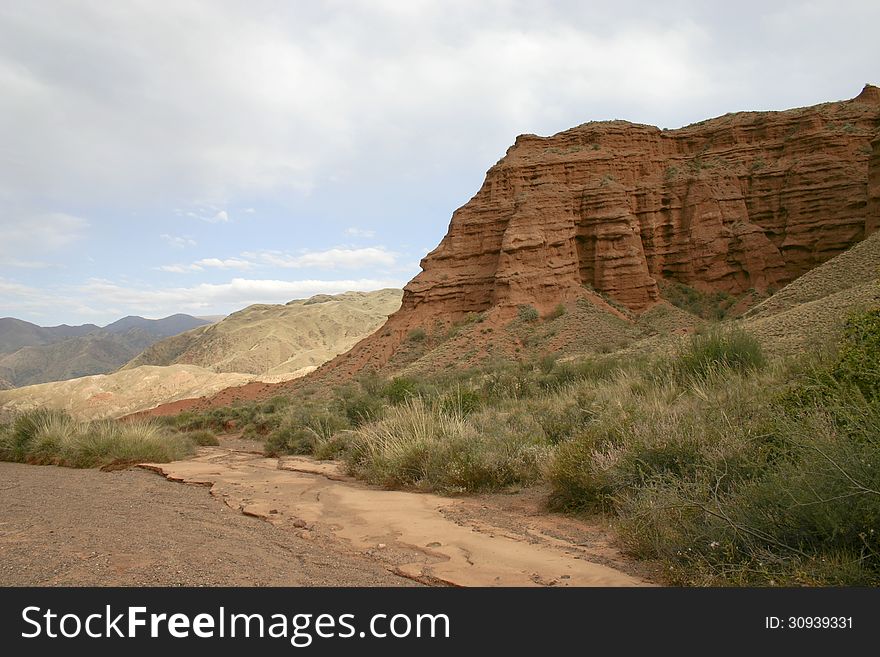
63, 527
251, 520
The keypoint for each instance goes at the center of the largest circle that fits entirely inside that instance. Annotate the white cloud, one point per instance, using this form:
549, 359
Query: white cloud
17, 289
211, 216
360, 232
45, 233
227, 263
250, 211
290, 100
26, 264
337, 258
178, 269
208, 263
176, 241
371, 258
303, 93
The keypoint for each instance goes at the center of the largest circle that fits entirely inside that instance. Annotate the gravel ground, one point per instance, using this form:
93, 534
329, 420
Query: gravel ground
64, 527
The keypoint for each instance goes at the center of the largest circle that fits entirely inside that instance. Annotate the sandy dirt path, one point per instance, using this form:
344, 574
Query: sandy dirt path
64, 527
463, 542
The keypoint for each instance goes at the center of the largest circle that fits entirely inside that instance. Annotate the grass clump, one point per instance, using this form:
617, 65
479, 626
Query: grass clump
557, 312
53, 438
307, 430
527, 313
713, 306
734, 473
417, 335
203, 438
719, 349
419, 445
858, 361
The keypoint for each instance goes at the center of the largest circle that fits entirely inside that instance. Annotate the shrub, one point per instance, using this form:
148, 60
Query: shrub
547, 362
808, 518
557, 312
361, 408
203, 438
713, 306
460, 402
858, 359
420, 446
560, 419
417, 335
50, 437
400, 389
716, 350
305, 431
527, 313
291, 439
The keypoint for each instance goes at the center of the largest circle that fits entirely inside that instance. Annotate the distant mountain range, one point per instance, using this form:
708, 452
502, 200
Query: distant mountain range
32, 354
263, 342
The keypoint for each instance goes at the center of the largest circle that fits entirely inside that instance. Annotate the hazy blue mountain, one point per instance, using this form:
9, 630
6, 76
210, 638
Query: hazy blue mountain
34, 354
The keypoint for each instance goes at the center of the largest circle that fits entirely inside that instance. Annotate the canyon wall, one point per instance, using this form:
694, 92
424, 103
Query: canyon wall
612, 209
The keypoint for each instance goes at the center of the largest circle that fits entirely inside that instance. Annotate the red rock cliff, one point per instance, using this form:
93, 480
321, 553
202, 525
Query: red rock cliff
746, 200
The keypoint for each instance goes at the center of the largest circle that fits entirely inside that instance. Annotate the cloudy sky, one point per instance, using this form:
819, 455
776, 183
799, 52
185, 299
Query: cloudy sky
162, 156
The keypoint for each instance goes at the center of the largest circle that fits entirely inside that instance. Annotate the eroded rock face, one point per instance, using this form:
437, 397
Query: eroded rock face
744, 201
872, 220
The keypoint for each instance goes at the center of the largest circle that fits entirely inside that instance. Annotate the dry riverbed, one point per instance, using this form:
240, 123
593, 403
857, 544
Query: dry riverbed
249, 520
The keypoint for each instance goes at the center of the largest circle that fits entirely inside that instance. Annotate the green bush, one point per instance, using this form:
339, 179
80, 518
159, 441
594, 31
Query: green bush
858, 360
578, 475
560, 421
360, 408
203, 437
811, 517
557, 312
420, 446
291, 439
460, 402
716, 350
51, 437
305, 431
417, 335
713, 306
400, 389
527, 313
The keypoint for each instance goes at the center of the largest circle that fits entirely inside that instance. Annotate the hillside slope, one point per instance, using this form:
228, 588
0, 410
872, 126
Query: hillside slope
292, 338
811, 310
120, 393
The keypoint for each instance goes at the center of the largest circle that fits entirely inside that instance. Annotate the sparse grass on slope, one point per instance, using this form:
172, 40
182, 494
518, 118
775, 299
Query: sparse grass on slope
741, 477
852, 268
52, 437
724, 467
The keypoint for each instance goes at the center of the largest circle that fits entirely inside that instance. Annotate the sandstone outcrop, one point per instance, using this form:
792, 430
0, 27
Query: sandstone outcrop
746, 201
